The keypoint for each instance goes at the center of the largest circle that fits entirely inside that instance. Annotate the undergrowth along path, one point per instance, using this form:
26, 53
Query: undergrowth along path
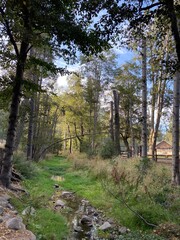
47, 224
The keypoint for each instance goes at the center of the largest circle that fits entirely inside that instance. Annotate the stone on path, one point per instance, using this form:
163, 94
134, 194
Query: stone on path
26, 235
86, 220
4, 202
15, 223
105, 226
29, 211
1, 210
60, 203
123, 230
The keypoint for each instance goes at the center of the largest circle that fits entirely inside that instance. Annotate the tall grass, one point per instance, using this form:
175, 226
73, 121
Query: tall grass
140, 188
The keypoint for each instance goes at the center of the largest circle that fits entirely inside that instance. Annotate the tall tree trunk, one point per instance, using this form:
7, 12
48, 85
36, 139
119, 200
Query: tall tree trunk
11, 132
144, 100
111, 121
161, 90
20, 125
70, 139
175, 22
116, 122
132, 150
175, 149
31, 130
153, 101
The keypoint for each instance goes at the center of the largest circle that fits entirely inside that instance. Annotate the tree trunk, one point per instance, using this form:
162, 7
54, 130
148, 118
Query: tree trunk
176, 33
175, 149
11, 132
70, 140
116, 122
20, 125
31, 130
111, 125
144, 100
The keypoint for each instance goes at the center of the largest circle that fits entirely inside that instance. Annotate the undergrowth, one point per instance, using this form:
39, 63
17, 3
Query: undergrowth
139, 192
135, 192
45, 223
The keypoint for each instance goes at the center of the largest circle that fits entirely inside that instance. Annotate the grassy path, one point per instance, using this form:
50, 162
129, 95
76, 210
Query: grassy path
48, 225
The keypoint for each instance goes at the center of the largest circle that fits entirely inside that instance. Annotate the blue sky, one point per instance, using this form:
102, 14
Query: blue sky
123, 56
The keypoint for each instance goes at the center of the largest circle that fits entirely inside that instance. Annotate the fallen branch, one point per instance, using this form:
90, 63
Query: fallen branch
122, 200
65, 139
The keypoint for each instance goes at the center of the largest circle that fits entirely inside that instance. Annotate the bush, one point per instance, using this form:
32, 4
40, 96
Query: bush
107, 149
26, 168
138, 236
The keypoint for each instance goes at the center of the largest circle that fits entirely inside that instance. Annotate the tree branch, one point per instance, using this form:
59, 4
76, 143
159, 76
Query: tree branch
6, 24
65, 139
122, 200
150, 6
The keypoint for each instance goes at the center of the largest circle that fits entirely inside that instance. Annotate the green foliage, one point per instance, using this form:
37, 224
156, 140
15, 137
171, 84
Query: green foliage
26, 168
139, 236
107, 149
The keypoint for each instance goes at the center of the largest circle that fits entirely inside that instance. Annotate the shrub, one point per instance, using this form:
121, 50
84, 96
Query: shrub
107, 149
26, 168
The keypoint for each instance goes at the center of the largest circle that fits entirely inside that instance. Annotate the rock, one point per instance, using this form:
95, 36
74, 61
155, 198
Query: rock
66, 194
29, 211
7, 216
57, 178
10, 206
32, 236
78, 229
85, 202
6, 196
123, 230
3, 202
27, 235
15, 223
56, 186
1, 210
1, 219
105, 226
14, 212
86, 220
60, 203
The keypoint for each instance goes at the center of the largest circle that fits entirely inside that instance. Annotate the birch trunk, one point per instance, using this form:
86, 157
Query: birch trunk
144, 100
111, 125
116, 122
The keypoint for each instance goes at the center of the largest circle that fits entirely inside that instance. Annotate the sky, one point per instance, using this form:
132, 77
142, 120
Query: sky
123, 56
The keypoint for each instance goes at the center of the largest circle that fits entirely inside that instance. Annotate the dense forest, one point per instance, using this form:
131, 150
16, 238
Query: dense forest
110, 108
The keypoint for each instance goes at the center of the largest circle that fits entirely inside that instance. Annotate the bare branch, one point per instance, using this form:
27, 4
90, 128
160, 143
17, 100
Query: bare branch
151, 6
6, 24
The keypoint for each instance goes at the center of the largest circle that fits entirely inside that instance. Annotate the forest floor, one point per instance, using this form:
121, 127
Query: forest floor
116, 191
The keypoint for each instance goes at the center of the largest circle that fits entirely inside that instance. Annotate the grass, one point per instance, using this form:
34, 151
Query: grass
144, 186
45, 224
109, 185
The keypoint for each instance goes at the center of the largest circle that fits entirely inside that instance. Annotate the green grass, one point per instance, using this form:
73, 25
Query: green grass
158, 204
45, 224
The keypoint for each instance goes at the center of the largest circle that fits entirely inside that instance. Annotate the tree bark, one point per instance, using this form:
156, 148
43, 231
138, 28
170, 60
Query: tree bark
116, 122
21, 123
11, 132
111, 122
144, 100
31, 130
175, 149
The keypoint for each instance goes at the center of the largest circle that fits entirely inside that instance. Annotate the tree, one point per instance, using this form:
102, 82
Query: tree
140, 13
27, 24
127, 82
